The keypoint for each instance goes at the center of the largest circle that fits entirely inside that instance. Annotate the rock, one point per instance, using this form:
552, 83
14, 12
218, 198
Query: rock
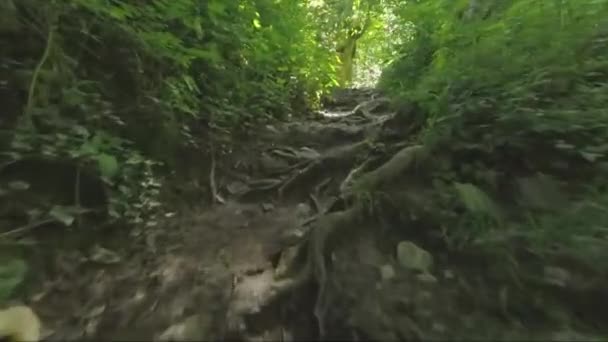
267, 206
407, 329
426, 278
387, 272
308, 153
18, 185
413, 257
104, 256
193, 328
374, 106
268, 335
425, 313
569, 335
303, 210
438, 327
448, 274
425, 296
237, 187
269, 163
272, 129
286, 261
20, 323
557, 276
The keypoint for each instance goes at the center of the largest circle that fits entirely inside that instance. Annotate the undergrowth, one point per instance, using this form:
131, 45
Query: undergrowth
95, 80
515, 93
104, 101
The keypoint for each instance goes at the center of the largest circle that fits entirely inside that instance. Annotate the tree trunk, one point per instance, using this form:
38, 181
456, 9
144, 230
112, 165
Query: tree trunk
347, 58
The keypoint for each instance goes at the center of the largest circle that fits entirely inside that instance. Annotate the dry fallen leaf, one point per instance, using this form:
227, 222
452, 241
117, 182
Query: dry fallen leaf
104, 256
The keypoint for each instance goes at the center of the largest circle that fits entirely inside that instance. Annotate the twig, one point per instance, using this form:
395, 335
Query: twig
297, 175
215, 197
8, 163
352, 174
25, 228
318, 207
317, 247
33, 83
77, 197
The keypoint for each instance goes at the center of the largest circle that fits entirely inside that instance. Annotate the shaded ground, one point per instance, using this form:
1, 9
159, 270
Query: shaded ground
260, 264
187, 269
207, 268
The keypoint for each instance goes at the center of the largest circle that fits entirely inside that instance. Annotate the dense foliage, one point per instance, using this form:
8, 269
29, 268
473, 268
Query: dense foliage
515, 93
102, 100
90, 82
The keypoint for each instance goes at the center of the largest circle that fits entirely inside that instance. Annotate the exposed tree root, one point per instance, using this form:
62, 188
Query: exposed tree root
406, 159
327, 225
354, 173
215, 196
309, 261
339, 158
321, 238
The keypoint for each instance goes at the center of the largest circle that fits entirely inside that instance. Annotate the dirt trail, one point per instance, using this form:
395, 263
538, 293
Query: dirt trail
291, 252
207, 273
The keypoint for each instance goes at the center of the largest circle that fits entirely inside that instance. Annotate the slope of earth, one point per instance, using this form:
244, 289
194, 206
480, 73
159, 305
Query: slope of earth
180, 279
297, 248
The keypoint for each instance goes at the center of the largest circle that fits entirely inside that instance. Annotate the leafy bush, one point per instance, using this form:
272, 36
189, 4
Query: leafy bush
97, 79
512, 89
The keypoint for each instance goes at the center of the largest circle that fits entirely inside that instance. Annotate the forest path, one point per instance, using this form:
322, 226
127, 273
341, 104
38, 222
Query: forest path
200, 273
291, 250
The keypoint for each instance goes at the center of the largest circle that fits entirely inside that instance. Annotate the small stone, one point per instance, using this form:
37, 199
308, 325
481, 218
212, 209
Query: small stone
557, 276
267, 206
387, 272
438, 327
425, 295
308, 153
413, 257
269, 163
96, 311
272, 129
237, 187
303, 210
426, 278
426, 313
448, 274
191, 329
18, 185
287, 259
104, 256
568, 335
404, 305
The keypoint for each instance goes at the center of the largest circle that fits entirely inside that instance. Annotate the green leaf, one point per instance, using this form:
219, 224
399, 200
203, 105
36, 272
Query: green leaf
216, 7
62, 214
476, 200
18, 185
87, 149
81, 130
12, 273
108, 165
590, 156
